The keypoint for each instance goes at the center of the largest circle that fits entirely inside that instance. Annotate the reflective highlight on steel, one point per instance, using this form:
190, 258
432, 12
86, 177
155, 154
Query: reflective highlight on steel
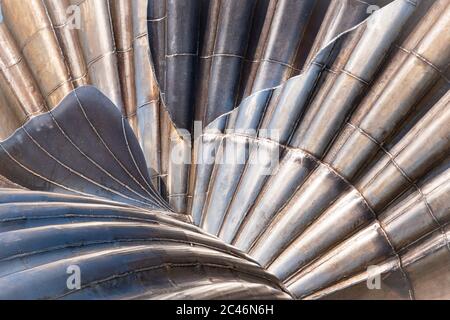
323, 152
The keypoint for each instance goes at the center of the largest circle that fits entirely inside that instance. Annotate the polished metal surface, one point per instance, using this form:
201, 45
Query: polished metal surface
99, 212
228, 149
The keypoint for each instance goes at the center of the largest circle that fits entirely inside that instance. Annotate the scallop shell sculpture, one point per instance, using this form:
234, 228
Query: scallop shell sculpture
224, 149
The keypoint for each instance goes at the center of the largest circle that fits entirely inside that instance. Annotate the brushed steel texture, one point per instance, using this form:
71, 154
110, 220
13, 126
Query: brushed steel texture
299, 143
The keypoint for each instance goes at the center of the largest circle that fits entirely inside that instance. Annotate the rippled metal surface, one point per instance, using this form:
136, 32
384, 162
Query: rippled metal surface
346, 101
362, 125
100, 213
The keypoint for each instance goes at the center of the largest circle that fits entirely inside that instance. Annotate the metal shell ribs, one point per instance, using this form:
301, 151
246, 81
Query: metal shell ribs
222, 149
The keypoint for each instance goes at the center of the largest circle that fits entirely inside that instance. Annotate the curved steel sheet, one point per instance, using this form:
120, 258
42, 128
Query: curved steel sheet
321, 159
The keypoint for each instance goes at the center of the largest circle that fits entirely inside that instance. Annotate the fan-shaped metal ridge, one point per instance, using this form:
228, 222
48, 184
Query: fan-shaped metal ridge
354, 132
130, 242
322, 161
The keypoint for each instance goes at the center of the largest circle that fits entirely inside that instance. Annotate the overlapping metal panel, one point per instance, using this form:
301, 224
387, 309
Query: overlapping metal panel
323, 150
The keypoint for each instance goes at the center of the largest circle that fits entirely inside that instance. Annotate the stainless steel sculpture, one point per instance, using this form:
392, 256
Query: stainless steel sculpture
322, 161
